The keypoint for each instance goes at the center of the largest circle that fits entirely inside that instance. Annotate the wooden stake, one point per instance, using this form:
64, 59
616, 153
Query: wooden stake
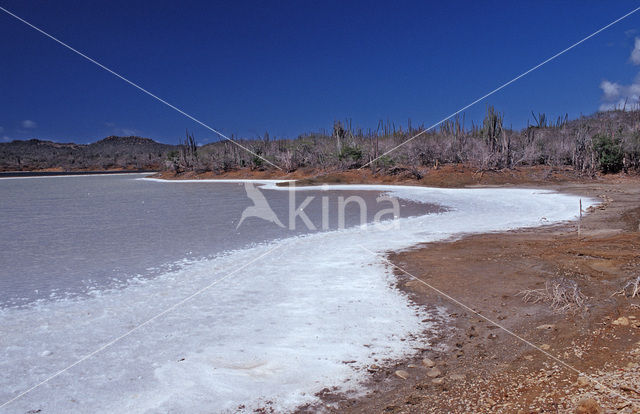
580, 219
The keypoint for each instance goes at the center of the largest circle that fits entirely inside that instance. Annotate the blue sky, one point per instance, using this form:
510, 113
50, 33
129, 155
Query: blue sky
292, 67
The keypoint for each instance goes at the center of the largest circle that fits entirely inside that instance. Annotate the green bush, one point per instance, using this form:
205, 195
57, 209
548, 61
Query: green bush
385, 161
172, 155
350, 153
609, 153
256, 161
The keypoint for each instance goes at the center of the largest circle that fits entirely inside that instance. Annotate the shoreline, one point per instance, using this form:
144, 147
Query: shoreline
482, 367
479, 364
485, 369
35, 174
444, 176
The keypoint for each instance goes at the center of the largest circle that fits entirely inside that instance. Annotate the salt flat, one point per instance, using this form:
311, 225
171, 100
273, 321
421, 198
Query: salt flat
274, 333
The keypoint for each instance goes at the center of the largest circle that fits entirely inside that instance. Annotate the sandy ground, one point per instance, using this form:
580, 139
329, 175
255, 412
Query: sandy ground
502, 354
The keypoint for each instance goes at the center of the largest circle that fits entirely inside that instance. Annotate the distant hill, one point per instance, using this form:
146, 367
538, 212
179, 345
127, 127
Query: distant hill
606, 142
108, 153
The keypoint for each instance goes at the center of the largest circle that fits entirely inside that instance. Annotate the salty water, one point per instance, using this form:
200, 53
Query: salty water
64, 236
128, 295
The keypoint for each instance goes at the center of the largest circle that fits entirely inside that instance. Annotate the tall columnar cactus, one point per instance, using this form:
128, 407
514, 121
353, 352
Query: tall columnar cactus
492, 127
188, 152
339, 134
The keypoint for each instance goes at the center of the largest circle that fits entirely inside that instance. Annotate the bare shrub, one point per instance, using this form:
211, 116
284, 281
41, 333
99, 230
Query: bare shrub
561, 294
631, 289
489, 145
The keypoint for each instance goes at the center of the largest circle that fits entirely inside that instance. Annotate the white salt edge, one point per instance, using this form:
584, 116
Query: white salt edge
277, 331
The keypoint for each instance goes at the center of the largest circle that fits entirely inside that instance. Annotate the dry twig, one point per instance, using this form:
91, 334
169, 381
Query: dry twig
562, 295
631, 289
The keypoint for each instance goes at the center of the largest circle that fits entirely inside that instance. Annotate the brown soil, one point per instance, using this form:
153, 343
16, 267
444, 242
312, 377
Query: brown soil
450, 175
484, 368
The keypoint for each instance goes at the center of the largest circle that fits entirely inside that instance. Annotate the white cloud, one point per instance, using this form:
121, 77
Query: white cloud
5, 139
635, 53
126, 132
611, 90
617, 96
29, 124
122, 132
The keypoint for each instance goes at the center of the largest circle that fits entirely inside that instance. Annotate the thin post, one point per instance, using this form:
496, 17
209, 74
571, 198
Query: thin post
580, 219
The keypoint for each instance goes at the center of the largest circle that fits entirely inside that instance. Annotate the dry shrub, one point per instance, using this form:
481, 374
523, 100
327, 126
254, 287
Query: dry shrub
631, 289
561, 294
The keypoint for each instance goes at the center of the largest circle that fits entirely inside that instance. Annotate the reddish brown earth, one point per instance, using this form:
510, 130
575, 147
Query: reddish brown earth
450, 175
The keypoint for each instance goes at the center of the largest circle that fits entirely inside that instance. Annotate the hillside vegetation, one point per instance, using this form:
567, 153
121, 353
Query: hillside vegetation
109, 153
606, 142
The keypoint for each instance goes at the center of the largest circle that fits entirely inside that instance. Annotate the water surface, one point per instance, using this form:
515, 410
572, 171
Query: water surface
62, 236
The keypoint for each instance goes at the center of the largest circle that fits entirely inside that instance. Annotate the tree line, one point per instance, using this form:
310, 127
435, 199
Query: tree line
606, 142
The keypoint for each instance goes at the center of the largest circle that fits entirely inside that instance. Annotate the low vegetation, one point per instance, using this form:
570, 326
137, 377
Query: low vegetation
561, 294
631, 289
109, 153
607, 142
